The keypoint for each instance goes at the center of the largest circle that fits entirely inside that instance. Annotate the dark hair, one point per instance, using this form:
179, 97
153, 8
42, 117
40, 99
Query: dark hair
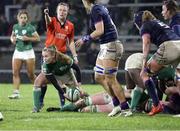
171, 5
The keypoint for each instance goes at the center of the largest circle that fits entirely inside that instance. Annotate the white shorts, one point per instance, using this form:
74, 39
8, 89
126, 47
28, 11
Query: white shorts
112, 50
68, 79
24, 55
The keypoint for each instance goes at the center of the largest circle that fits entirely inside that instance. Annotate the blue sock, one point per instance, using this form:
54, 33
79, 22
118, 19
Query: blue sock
43, 92
115, 101
124, 105
62, 98
150, 86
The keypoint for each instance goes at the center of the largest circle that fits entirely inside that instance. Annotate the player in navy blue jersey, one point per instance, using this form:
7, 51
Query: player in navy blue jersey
104, 30
170, 11
168, 52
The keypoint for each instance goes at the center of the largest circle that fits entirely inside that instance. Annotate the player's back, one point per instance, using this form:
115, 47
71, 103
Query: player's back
159, 32
175, 23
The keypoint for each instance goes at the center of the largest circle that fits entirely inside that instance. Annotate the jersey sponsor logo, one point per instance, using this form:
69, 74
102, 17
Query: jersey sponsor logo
16, 31
19, 37
163, 25
60, 36
24, 32
63, 68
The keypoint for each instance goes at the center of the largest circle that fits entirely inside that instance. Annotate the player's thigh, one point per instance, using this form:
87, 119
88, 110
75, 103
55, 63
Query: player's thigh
100, 98
40, 80
129, 82
168, 53
17, 65
67, 79
135, 77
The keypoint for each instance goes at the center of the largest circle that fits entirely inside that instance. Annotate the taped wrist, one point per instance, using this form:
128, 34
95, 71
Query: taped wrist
86, 38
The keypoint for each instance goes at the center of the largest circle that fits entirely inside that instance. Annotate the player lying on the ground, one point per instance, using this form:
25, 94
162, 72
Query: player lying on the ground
100, 102
58, 65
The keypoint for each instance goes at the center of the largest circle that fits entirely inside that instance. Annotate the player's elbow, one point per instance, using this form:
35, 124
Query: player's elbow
38, 38
100, 32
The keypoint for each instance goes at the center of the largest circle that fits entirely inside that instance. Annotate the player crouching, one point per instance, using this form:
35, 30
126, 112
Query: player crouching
60, 66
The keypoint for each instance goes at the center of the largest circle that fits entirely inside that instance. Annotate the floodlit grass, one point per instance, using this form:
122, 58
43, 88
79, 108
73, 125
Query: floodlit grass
18, 116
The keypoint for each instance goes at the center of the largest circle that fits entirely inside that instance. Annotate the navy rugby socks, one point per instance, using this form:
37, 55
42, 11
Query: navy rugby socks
150, 86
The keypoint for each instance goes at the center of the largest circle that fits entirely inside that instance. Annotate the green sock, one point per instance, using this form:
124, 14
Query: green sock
144, 97
36, 97
136, 95
69, 107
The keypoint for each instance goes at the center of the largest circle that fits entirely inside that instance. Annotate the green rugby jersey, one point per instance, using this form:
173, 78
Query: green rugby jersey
19, 31
58, 68
166, 73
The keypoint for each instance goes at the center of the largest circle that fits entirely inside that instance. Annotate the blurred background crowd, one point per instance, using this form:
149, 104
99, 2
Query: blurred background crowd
121, 11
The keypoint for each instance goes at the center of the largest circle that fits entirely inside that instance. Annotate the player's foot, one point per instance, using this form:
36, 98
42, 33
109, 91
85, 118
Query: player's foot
1, 116
14, 96
126, 113
178, 115
41, 105
155, 109
116, 110
35, 110
51, 109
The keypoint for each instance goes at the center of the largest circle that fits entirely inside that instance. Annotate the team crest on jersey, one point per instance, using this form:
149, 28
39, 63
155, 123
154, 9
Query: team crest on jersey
24, 32
16, 31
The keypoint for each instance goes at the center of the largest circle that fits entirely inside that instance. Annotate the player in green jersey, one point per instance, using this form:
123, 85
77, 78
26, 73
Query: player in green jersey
59, 65
23, 35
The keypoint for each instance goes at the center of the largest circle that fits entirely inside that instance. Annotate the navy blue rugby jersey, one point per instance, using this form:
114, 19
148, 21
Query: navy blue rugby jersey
158, 31
101, 13
175, 23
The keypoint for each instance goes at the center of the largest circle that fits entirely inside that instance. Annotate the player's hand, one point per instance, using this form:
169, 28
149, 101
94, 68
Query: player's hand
46, 11
75, 59
83, 94
13, 40
79, 43
25, 38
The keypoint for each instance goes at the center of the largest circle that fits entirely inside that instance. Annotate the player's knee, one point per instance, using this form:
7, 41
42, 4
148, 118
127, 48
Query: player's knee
99, 79
31, 76
16, 73
39, 81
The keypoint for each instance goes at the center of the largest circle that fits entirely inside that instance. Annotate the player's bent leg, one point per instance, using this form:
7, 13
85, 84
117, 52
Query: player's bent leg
135, 97
39, 81
150, 86
51, 78
36, 98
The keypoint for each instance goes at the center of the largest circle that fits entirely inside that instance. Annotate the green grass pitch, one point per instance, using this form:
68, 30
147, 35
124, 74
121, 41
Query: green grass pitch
17, 115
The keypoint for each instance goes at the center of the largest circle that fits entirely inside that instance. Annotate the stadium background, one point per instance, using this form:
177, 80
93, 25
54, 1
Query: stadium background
120, 10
